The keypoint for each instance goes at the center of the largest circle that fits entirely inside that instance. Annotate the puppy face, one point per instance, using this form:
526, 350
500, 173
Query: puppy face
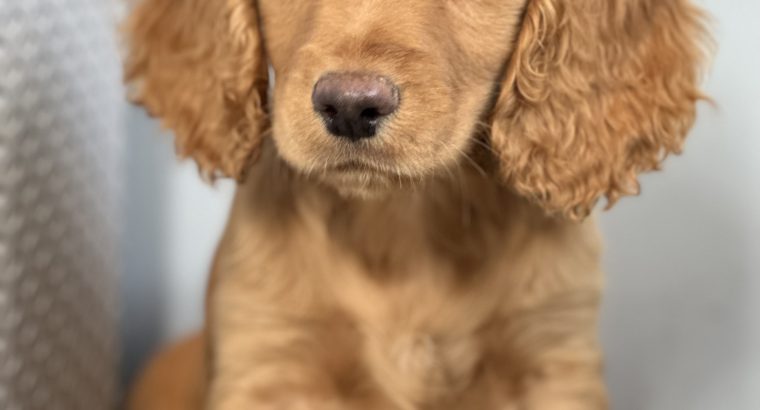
575, 97
439, 61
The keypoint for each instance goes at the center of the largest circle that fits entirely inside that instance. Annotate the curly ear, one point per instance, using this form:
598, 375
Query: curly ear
596, 92
199, 65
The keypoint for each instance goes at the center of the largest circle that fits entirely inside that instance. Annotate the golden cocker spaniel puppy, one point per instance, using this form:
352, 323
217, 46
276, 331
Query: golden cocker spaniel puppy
411, 226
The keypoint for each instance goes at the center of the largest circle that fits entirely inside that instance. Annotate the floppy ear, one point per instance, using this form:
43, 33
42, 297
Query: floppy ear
596, 92
199, 65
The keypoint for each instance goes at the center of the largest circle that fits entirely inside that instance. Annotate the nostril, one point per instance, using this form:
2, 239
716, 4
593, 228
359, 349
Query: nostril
329, 110
370, 114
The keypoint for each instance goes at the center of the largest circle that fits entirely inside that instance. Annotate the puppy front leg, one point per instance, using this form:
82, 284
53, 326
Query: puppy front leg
556, 346
570, 380
273, 352
270, 361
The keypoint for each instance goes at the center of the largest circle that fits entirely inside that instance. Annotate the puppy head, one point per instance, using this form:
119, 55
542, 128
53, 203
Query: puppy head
579, 96
373, 93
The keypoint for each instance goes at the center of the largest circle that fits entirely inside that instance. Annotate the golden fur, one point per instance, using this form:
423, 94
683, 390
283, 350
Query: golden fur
447, 263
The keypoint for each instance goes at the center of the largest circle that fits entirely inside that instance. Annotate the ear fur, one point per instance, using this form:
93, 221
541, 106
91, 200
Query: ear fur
597, 91
199, 65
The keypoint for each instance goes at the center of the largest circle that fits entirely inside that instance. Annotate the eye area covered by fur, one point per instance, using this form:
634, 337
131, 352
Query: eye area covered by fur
572, 98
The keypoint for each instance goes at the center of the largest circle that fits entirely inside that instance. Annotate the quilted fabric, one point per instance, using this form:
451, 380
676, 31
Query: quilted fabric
60, 122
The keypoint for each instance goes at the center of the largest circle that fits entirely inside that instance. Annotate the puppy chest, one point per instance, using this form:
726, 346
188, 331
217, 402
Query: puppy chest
420, 344
415, 366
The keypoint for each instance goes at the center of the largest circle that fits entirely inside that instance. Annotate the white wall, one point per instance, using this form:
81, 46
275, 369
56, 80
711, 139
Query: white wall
682, 316
172, 224
682, 312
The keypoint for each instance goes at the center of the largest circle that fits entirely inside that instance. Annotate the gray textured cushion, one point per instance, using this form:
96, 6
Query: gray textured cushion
60, 122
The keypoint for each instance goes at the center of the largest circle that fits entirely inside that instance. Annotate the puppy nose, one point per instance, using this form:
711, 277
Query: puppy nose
352, 104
